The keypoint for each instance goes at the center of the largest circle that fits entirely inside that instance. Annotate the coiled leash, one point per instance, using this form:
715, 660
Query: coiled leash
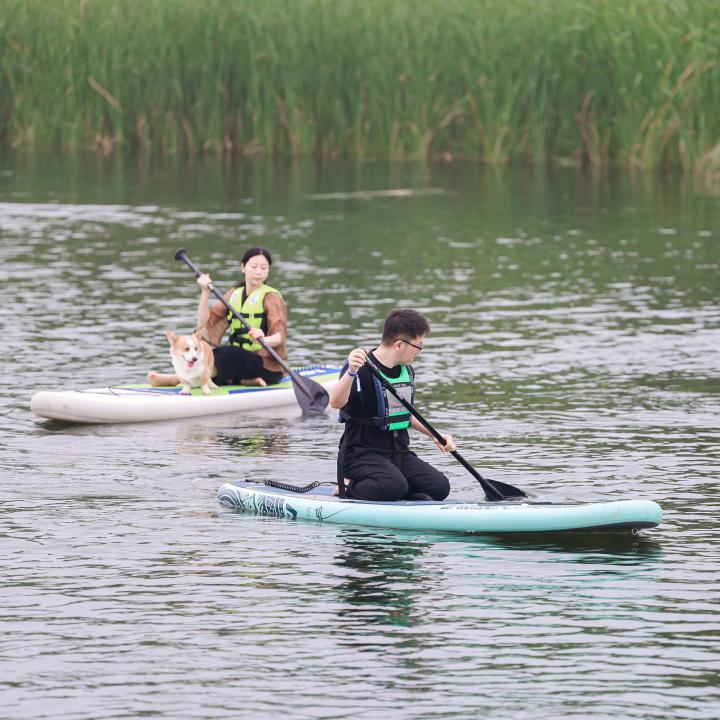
292, 488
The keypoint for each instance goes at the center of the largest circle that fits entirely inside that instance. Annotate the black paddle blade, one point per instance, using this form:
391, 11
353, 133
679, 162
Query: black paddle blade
312, 397
495, 491
508, 492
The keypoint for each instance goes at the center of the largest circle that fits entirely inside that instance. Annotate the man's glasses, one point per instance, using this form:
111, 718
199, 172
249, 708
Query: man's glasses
417, 347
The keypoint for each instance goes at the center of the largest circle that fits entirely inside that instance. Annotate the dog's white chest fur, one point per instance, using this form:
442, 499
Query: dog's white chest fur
188, 361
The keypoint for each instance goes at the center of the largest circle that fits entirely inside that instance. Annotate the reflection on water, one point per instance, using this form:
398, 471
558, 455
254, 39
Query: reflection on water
382, 571
244, 446
573, 354
379, 577
602, 547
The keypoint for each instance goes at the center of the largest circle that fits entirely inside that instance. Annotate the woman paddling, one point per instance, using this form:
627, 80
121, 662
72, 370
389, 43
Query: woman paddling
244, 361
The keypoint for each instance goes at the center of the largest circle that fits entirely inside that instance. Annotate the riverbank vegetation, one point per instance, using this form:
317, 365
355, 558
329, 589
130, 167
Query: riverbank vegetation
635, 84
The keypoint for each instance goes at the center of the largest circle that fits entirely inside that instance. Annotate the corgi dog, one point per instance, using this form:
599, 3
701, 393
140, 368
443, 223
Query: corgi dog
192, 358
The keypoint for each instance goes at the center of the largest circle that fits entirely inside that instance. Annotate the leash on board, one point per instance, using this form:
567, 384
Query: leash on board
287, 486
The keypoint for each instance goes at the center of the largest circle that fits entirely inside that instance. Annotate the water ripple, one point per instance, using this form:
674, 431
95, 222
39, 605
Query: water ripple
573, 354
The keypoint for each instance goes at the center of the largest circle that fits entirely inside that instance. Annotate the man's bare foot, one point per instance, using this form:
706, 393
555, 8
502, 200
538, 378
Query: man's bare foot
336, 491
254, 381
162, 379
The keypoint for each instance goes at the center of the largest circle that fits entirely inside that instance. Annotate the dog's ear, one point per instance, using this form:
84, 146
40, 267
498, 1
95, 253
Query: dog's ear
171, 336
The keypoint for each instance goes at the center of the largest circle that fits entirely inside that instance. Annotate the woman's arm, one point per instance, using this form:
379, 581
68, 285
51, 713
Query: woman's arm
211, 321
276, 311
203, 311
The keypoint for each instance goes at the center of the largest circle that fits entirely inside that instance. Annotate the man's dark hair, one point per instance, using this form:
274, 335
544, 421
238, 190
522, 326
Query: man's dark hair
404, 325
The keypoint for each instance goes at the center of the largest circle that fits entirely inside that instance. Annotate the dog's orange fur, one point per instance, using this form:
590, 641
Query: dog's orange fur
192, 358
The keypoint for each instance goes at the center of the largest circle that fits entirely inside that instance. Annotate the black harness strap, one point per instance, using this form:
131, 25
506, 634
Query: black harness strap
374, 421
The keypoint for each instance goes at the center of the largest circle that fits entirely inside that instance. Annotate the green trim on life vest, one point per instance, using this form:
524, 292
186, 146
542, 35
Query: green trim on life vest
396, 415
253, 310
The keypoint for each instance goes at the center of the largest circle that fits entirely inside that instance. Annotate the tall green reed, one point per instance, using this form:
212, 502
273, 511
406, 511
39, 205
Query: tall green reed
635, 84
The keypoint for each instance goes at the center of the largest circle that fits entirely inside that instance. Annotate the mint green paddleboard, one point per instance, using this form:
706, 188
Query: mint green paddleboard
519, 516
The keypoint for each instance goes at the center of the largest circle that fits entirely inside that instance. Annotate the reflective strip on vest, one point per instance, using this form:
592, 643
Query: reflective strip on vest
253, 310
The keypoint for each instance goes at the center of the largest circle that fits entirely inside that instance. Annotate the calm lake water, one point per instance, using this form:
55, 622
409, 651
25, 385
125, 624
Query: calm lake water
574, 353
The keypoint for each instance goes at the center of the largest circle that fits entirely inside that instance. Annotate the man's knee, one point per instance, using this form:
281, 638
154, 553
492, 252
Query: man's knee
441, 488
385, 489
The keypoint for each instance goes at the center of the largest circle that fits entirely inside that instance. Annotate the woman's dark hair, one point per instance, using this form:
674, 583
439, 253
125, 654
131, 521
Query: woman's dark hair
253, 251
402, 324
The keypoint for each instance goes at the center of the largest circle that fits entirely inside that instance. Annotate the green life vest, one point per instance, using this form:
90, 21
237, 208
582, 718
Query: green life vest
251, 308
394, 415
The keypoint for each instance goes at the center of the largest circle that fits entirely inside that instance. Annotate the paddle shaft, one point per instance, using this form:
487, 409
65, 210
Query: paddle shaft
491, 490
299, 380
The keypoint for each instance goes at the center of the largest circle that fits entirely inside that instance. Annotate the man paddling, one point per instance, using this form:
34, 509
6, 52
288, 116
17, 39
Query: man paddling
374, 451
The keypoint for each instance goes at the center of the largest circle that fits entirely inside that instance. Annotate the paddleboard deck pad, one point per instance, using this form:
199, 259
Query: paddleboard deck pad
519, 516
144, 403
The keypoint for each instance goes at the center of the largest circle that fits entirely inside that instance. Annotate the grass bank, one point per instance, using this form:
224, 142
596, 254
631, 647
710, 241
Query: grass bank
634, 83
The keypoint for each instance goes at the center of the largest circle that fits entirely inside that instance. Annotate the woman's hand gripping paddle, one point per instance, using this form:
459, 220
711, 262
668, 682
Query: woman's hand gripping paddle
312, 397
494, 490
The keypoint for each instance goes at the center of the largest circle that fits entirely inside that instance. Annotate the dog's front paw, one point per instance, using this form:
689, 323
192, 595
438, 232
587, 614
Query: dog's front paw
185, 390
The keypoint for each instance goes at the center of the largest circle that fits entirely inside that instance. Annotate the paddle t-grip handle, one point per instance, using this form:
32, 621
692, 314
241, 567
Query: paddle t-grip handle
182, 255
